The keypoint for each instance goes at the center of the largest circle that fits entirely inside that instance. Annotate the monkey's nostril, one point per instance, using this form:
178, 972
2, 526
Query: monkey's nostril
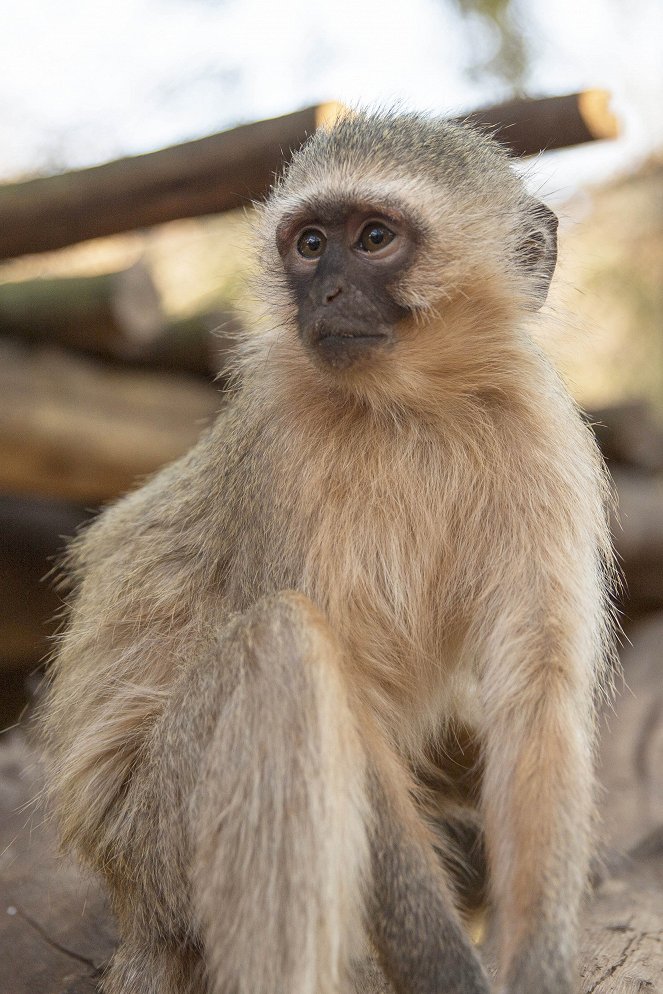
332, 294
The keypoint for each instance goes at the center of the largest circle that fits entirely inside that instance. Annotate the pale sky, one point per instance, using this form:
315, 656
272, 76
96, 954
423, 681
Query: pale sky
83, 81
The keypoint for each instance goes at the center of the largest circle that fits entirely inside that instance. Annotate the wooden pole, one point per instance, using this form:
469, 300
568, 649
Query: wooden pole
207, 176
116, 315
77, 430
528, 127
234, 167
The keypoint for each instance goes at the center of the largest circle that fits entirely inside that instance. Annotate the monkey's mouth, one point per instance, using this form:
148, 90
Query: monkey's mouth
341, 348
352, 336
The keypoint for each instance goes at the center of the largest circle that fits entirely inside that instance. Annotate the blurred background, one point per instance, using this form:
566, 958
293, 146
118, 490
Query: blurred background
121, 286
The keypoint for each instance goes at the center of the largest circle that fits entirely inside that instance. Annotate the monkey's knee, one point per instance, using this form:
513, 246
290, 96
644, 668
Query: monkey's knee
288, 705
287, 630
290, 667
290, 702
279, 823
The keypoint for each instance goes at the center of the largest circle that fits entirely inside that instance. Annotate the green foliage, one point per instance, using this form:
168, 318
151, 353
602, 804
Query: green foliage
497, 34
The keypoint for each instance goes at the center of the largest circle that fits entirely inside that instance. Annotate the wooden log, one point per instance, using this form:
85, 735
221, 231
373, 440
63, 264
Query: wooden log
638, 534
198, 344
75, 430
527, 127
629, 436
621, 949
234, 167
631, 439
56, 931
207, 176
116, 315
32, 537
631, 767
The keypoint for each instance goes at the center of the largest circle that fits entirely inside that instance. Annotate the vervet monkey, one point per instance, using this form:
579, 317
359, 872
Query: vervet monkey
393, 541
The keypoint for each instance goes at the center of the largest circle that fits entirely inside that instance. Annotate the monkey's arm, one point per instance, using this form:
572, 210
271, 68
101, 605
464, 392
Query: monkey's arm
538, 692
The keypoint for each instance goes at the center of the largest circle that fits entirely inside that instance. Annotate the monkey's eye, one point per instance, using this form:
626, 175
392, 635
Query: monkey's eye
375, 236
311, 243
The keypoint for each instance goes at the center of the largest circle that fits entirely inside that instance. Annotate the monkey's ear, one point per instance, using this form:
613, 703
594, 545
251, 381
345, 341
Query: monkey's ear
537, 252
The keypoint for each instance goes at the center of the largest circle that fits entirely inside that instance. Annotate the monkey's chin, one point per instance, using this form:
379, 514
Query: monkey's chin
340, 351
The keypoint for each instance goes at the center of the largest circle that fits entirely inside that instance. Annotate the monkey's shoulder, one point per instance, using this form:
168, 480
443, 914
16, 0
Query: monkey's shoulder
167, 519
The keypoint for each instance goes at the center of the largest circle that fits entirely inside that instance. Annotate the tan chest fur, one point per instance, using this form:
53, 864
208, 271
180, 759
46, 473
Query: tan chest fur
385, 556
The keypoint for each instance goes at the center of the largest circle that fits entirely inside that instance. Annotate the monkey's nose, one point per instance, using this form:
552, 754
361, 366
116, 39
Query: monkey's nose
332, 294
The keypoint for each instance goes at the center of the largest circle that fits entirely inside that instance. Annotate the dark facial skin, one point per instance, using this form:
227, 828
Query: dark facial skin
340, 265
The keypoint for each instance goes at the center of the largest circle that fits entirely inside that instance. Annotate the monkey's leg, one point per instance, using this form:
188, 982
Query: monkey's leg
422, 946
306, 830
538, 801
280, 811
272, 826
243, 832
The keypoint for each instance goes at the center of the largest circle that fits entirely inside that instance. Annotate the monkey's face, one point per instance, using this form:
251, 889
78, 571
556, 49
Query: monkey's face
340, 264
402, 255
